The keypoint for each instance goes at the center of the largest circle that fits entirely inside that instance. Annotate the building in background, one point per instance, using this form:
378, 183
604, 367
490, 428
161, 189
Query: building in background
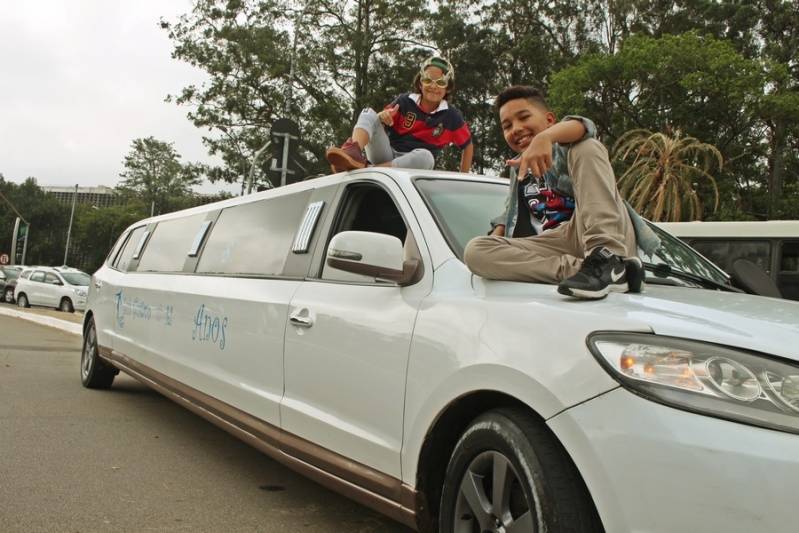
100, 196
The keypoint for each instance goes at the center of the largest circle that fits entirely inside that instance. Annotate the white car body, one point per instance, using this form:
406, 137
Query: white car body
357, 383
48, 287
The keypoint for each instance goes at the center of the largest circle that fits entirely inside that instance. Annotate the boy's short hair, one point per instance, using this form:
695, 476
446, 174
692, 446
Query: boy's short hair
514, 92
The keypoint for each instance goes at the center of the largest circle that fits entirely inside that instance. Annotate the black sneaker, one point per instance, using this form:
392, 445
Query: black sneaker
634, 269
602, 272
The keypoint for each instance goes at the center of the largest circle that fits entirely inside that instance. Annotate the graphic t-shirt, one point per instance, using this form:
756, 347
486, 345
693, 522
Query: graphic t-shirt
413, 128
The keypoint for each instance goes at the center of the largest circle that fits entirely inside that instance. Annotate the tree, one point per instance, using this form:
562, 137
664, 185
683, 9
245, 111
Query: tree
315, 62
697, 84
660, 183
154, 174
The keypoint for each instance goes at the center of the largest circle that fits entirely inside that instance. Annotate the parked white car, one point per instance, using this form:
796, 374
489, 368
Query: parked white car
62, 288
332, 325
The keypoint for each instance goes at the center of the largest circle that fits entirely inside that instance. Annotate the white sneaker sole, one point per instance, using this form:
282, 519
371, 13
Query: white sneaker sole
592, 295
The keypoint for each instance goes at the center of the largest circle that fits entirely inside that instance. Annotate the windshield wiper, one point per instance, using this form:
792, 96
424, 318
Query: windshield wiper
663, 270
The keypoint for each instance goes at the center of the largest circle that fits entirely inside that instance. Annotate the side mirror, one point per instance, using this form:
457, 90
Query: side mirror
753, 279
56, 282
371, 254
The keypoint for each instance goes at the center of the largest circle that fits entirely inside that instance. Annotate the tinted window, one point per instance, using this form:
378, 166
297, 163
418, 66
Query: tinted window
169, 244
52, 279
37, 276
463, 209
725, 252
253, 238
790, 257
76, 278
127, 252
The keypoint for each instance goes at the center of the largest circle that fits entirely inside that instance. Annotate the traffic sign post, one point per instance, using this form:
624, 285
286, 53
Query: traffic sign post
4, 259
287, 165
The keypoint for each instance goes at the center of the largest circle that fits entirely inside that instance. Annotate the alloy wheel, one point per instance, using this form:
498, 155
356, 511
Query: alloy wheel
491, 498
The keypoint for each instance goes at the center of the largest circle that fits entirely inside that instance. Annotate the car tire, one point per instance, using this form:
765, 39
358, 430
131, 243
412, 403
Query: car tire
94, 372
66, 305
8, 295
541, 488
22, 300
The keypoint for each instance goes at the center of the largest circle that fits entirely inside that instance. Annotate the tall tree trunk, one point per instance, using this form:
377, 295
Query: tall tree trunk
777, 165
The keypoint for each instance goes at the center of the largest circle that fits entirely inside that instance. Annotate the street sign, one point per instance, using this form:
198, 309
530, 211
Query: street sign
4, 259
287, 166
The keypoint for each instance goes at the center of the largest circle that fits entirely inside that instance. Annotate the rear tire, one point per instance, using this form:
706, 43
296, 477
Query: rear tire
509, 473
8, 295
94, 372
22, 300
66, 306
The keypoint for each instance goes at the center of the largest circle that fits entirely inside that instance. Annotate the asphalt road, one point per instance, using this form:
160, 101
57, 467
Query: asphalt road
128, 459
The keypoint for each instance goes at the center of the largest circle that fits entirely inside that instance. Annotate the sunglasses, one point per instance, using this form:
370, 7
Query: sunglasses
440, 82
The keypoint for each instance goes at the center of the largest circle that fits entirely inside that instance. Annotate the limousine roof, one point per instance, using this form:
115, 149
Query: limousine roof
761, 229
401, 176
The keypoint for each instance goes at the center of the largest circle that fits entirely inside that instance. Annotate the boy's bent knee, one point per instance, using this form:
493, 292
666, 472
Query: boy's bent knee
477, 256
425, 158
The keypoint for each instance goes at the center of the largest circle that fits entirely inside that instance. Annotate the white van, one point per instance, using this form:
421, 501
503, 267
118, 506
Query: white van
333, 325
772, 245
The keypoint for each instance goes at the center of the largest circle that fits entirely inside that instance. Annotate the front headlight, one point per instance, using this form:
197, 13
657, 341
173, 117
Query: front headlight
81, 292
715, 380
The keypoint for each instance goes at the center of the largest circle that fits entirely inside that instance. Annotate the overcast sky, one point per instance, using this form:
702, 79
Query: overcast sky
80, 79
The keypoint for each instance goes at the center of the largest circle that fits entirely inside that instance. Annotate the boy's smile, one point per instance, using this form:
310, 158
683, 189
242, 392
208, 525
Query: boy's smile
521, 120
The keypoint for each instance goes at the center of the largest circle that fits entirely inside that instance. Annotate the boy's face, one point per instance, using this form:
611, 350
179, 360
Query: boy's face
521, 120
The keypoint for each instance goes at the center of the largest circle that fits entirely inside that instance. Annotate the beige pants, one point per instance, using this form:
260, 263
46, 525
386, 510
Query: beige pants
600, 219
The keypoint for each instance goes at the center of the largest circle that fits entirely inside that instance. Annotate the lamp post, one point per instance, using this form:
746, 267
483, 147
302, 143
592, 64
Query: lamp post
71, 216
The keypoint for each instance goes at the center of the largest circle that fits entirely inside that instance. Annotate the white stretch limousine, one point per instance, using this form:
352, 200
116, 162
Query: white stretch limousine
333, 325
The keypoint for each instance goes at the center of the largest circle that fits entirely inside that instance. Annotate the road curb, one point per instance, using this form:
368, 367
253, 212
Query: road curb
69, 327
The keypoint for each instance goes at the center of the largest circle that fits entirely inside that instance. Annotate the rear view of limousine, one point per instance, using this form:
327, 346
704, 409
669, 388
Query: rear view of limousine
333, 325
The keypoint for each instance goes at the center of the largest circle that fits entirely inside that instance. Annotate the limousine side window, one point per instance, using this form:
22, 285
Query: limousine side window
253, 238
788, 278
725, 252
169, 244
368, 207
124, 257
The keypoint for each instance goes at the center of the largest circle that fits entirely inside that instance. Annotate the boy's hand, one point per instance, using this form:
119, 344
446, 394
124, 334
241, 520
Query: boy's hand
537, 157
387, 115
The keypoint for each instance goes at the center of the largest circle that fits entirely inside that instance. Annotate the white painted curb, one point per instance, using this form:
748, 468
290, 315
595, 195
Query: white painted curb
69, 327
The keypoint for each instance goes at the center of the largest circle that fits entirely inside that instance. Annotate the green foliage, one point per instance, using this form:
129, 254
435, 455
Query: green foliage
48, 221
661, 181
154, 175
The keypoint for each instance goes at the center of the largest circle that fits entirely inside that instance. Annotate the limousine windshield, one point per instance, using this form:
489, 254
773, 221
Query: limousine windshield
463, 209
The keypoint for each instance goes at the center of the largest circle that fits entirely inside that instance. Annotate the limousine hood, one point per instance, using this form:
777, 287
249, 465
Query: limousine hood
755, 323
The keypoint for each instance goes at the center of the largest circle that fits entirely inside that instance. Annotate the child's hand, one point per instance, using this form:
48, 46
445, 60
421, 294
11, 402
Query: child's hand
537, 157
387, 115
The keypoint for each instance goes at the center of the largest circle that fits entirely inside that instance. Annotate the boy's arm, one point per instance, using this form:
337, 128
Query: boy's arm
537, 157
466, 157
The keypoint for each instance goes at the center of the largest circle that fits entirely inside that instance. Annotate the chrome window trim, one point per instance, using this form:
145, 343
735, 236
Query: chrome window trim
303, 239
140, 246
199, 238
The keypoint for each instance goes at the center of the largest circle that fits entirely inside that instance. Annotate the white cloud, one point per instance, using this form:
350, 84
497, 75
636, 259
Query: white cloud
80, 79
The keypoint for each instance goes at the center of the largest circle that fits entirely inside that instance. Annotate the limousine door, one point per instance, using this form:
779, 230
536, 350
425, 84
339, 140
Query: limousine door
347, 345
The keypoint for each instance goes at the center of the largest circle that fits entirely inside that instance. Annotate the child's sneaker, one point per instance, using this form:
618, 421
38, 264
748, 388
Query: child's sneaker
602, 272
634, 270
348, 157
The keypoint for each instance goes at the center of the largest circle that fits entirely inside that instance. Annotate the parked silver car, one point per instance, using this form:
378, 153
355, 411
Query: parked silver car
59, 287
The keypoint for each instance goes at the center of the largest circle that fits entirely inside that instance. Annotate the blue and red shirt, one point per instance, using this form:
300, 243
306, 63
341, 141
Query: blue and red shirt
413, 128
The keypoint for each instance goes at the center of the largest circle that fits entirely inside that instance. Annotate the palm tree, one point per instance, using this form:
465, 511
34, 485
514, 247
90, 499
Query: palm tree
661, 181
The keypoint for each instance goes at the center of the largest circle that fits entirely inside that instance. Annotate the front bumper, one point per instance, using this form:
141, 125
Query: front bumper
658, 469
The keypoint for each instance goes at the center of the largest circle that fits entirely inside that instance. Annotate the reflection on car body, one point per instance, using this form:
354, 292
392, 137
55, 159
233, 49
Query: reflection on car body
333, 325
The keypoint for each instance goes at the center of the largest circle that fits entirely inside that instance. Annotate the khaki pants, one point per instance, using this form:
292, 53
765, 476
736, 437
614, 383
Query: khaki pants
600, 219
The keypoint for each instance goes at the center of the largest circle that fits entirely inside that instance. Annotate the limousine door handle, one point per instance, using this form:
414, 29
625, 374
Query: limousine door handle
301, 319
